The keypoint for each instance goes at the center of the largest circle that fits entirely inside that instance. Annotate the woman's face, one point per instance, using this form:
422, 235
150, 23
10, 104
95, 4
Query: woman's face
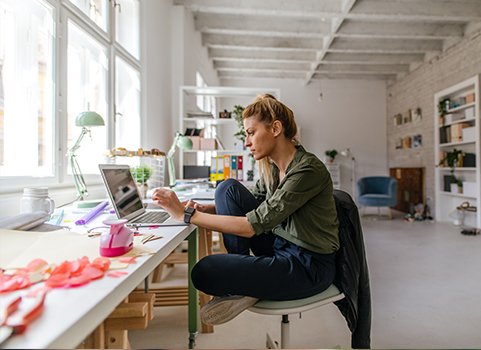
260, 138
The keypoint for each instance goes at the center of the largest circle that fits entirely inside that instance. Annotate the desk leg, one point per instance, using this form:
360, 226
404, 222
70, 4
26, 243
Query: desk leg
193, 295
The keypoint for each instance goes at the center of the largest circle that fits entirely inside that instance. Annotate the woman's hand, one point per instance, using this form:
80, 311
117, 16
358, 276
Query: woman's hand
168, 200
205, 208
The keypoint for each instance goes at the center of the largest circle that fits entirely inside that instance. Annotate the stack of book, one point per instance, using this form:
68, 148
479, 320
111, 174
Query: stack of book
227, 166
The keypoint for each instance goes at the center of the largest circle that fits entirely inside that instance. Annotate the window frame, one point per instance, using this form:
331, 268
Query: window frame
63, 11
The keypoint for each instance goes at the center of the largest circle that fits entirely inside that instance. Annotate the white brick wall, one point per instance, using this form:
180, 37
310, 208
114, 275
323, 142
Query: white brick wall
417, 89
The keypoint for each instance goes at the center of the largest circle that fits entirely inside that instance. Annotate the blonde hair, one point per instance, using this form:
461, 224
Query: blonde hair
267, 109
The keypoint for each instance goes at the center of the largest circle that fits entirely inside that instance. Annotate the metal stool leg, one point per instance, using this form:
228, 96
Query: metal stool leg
285, 335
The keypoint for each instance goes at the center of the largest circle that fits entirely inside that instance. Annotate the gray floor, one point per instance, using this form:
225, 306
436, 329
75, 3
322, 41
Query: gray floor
426, 292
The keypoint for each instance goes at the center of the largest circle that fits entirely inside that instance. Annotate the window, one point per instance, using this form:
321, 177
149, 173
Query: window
47, 79
205, 103
26, 88
127, 25
87, 67
96, 10
127, 108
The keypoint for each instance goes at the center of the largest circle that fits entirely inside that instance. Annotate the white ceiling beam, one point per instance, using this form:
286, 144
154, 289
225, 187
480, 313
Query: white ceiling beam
219, 65
260, 41
285, 8
385, 45
261, 74
362, 76
346, 6
273, 54
410, 10
372, 58
420, 10
243, 24
363, 29
258, 48
368, 68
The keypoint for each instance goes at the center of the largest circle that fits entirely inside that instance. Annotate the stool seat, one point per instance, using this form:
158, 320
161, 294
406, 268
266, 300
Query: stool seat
287, 307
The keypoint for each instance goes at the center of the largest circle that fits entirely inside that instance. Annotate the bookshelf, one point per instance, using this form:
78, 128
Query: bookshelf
457, 136
216, 137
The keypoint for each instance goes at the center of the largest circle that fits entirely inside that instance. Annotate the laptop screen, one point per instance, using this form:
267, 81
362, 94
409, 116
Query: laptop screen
122, 189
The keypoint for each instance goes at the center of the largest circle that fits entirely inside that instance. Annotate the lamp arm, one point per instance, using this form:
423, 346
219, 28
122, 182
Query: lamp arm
79, 180
170, 160
76, 146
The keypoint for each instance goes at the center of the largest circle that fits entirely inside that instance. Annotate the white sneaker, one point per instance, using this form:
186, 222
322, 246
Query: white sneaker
222, 309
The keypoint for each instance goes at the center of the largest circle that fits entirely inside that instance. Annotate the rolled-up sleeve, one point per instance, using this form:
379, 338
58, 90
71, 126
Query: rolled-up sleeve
298, 187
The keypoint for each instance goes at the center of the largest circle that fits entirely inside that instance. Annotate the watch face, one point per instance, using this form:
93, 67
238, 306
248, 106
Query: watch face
189, 210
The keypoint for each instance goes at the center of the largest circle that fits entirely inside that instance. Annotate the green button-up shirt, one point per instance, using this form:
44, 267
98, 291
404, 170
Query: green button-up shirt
300, 208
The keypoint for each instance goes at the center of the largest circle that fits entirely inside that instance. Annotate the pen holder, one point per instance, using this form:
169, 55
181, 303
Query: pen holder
118, 240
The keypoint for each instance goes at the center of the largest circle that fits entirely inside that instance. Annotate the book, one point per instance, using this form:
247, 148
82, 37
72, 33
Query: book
233, 167
240, 168
226, 167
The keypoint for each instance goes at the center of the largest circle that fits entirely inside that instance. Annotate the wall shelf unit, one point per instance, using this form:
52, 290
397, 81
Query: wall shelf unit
220, 129
456, 125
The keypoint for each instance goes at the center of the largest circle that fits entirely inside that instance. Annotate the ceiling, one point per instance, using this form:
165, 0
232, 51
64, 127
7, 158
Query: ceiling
329, 39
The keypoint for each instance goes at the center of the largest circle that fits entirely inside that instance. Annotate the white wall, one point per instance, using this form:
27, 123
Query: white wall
351, 114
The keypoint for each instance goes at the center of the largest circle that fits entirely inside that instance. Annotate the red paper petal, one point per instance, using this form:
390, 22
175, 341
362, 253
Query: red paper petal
75, 267
127, 259
58, 280
78, 281
92, 272
101, 263
37, 265
63, 268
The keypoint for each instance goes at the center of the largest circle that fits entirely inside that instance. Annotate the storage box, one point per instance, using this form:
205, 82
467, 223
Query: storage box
470, 98
195, 142
453, 117
469, 134
469, 160
469, 112
469, 188
208, 144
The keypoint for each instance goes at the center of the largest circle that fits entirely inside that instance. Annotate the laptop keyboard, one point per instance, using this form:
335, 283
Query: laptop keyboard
155, 217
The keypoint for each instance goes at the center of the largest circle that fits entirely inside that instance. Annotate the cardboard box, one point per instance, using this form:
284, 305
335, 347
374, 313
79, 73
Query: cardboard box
470, 98
469, 134
208, 144
195, 142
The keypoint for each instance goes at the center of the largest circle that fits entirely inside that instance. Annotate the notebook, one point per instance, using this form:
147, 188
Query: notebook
126, 199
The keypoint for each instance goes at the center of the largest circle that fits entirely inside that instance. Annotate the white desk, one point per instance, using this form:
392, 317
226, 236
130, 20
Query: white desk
70, 315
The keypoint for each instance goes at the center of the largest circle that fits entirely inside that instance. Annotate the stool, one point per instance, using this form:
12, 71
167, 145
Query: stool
288, 307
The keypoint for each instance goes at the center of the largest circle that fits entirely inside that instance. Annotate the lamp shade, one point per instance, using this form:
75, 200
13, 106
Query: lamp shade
184, 143
89, 118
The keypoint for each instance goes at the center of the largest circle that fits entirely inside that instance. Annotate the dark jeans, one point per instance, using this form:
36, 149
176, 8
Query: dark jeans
280, 270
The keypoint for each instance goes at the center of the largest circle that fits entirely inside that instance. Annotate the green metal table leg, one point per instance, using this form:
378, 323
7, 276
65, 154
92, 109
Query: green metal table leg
193, 295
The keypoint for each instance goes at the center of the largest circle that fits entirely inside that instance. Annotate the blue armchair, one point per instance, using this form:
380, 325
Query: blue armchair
377, 191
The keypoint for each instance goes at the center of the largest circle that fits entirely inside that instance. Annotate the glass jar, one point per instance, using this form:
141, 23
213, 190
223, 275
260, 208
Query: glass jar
36, 199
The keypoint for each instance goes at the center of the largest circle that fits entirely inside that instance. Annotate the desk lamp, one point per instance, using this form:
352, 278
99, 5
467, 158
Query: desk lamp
183, 142
85, 120
347, 153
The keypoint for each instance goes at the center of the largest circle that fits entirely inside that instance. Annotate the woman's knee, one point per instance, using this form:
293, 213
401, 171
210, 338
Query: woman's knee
222, 188
201, 272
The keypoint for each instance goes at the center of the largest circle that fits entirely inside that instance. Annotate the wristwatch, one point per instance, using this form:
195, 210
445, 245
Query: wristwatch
188, 212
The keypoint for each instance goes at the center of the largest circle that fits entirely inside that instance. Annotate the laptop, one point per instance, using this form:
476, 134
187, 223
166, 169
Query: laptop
126, 199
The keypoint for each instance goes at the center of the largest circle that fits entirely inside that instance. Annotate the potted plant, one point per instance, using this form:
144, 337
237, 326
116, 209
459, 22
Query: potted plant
241, 134
141, 174
331, 154
451, 159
